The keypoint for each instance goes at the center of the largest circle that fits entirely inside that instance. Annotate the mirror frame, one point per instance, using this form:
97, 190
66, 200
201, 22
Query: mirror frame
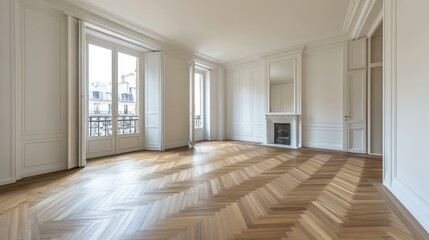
296, 58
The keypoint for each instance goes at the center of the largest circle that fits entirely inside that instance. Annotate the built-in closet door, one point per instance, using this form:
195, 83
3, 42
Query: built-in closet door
154, 101
356, 118
356, 105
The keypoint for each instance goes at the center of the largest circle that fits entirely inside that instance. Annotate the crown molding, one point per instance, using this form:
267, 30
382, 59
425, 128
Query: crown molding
377, 22
357, 13
267, 55
351, 14
87, 11
290, 50
361, 18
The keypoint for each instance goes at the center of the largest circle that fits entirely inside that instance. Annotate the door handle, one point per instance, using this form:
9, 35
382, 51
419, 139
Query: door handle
346, 118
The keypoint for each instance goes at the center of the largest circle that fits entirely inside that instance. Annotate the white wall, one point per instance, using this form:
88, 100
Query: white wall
410, 171
6, 90
176, 101
246, 103
323, 72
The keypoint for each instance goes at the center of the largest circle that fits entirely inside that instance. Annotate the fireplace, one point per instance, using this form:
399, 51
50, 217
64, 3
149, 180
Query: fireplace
282, 133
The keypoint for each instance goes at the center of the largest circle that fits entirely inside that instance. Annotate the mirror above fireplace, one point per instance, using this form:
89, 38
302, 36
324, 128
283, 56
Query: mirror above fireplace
284, 84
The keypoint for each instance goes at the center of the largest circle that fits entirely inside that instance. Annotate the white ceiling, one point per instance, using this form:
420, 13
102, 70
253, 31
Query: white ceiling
228, 30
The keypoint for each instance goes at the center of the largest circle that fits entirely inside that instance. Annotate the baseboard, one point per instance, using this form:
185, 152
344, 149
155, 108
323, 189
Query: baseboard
415, 204
7, 181
332, 146
176, 145
42, 171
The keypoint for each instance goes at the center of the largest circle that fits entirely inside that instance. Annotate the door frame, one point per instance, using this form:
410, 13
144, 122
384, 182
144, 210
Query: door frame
116, 46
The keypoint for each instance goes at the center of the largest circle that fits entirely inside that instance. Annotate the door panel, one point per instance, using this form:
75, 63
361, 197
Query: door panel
128, 104
356, 118
101, 140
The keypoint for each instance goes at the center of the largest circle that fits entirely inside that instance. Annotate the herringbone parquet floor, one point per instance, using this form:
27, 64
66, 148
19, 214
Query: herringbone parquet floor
221, 190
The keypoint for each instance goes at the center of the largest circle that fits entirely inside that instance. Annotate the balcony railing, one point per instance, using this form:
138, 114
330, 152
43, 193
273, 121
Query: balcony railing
128, 124
102, 125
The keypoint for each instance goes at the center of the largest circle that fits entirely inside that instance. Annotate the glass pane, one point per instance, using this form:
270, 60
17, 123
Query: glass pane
99, 91
198, 99
128, 94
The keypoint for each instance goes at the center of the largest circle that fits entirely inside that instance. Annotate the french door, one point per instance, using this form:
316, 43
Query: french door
114, 101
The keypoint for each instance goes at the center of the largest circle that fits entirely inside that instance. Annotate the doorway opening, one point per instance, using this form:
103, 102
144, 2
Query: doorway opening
114, 105
201, 103
375, 92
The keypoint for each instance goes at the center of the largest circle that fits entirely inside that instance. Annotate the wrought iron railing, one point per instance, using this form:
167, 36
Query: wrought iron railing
198, 122
102, 125
128, 124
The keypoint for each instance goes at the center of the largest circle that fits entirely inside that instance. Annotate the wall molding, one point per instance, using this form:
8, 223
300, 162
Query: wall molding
13, 84
389, 93
412, 201
361, 18
176, 145
351, 14
7, 181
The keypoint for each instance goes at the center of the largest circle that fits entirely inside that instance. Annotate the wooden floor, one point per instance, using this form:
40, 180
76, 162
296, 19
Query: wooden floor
221, 190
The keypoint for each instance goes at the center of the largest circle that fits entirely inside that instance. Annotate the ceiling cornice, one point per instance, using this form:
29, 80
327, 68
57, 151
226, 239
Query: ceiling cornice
361, 18
87, 11
358, 11
351, 14
291, 50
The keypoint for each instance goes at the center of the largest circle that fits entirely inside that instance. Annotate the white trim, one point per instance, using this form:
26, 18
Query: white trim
82, 94
176, 145
376, 23
412, 201
389, 92
351, 14
72, 97
363, 15
309, 46
221, 121
13, 61
17, 85
7, 181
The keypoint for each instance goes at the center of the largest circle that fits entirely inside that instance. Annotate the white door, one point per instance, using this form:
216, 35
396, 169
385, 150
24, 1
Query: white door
356, 111
113, 100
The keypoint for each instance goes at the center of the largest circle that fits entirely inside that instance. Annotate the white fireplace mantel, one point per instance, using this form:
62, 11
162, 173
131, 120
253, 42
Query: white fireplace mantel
295, 129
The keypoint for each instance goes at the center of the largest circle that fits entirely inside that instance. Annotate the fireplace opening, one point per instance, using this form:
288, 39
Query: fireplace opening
282, 133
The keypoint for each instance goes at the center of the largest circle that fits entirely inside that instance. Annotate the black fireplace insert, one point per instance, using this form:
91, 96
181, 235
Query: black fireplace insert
282, 133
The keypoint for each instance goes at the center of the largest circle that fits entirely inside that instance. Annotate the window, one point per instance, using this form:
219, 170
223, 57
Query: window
96, 108
199, 100
125, 109
96, 95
